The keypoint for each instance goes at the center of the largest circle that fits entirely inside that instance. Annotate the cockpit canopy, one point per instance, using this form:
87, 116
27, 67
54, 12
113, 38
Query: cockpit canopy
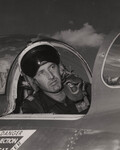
12, 88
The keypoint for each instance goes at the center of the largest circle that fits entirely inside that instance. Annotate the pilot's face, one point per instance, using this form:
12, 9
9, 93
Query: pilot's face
48, 78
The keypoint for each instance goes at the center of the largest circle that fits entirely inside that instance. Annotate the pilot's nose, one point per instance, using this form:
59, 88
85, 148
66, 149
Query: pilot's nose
50, 75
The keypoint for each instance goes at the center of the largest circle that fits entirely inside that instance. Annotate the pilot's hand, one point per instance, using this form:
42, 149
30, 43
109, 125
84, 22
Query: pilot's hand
74, 87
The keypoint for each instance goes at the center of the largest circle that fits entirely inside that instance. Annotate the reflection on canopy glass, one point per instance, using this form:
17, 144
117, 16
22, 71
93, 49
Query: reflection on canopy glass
111, 72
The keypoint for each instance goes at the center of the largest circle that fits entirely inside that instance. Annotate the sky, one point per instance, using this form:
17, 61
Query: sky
51, 16
81, 23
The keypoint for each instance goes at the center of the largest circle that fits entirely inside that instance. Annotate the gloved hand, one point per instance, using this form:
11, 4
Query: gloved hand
73, 87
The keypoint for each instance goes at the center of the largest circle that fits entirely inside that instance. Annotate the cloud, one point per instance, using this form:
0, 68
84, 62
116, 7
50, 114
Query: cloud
6, 62
114, 61
86, 36
9, 48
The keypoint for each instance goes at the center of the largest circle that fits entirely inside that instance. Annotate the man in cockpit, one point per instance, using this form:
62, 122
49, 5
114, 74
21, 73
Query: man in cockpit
59, 91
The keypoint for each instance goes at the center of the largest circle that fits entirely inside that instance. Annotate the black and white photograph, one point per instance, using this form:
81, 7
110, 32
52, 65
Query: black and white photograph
59, 75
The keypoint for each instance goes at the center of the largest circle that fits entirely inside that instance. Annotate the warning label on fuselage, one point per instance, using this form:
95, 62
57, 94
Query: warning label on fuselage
13, 139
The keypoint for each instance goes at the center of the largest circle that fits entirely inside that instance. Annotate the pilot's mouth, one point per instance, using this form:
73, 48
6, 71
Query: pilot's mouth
54, 82
74, 88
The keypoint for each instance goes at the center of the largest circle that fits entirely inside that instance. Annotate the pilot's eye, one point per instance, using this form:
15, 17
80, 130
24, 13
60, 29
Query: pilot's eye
53, 66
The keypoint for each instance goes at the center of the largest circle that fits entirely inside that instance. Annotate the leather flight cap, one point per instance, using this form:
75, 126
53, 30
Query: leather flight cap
35, 57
